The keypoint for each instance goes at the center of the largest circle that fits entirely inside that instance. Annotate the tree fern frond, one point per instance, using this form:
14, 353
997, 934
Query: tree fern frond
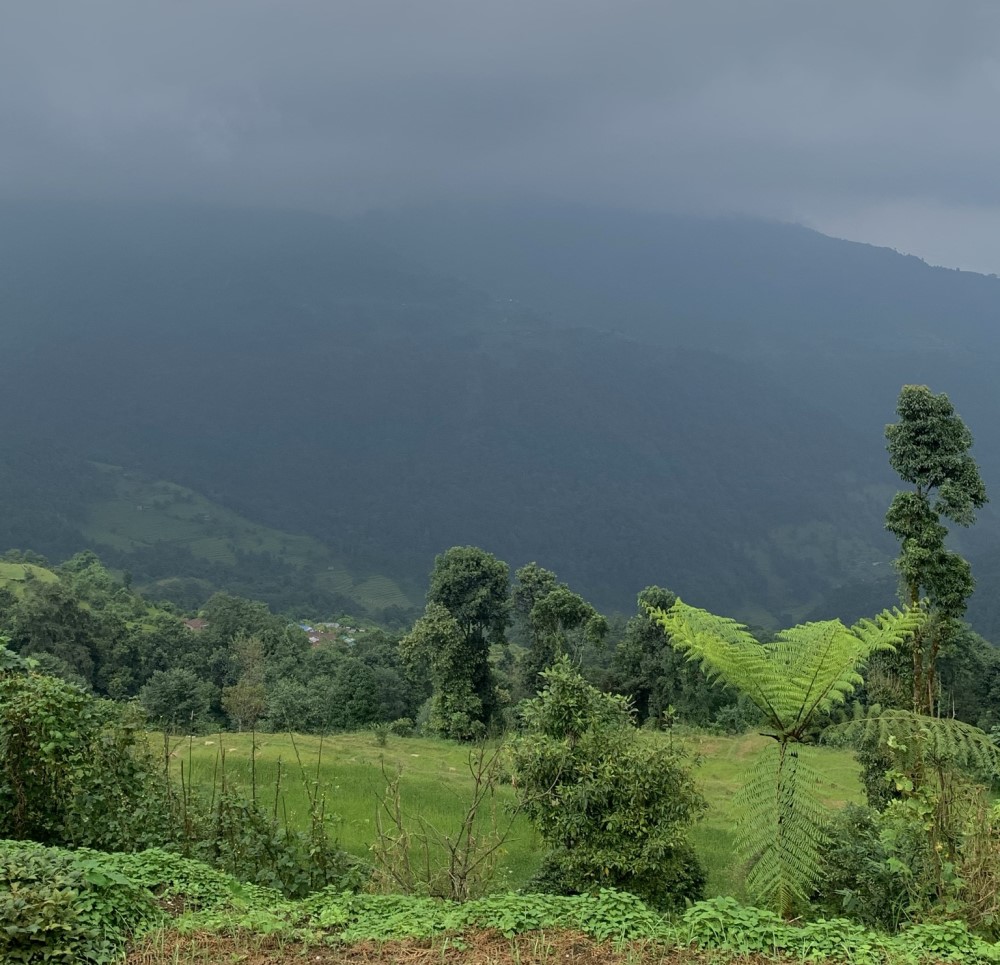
826, 658
938, 741
726, 650
779, 831
805, 671
890, 628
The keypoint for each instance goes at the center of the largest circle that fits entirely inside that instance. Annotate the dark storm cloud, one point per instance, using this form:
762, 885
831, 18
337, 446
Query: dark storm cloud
799, 108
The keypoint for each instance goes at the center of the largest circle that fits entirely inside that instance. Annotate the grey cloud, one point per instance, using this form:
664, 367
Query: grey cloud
787, 108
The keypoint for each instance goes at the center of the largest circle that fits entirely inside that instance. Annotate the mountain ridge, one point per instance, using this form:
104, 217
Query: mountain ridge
306, 375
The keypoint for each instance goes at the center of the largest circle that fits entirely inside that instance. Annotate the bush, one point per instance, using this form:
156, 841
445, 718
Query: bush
56, 906
403, 727
858, 878
237, 836
678, 879
75, 770
614, 808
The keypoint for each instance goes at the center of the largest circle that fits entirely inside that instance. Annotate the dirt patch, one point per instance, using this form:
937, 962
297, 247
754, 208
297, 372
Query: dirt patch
477, 948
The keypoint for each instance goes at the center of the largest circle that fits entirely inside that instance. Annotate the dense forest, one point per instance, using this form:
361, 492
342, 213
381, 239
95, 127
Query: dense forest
304, 410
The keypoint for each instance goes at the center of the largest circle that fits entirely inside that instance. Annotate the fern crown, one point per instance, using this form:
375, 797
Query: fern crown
804, 672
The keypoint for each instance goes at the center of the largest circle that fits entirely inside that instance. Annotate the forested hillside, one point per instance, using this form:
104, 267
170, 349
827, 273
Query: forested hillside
631, 399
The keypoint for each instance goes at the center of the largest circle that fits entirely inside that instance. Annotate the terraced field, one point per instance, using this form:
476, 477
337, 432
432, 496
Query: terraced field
14, 576
138, 513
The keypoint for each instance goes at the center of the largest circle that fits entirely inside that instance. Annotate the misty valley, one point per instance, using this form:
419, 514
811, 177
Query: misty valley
458, 574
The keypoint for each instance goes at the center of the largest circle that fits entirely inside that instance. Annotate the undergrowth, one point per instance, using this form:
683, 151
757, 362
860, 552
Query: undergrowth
85, 906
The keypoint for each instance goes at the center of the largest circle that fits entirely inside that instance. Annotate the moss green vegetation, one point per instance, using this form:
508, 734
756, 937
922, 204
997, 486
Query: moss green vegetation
135, 514
14, 576
435, 784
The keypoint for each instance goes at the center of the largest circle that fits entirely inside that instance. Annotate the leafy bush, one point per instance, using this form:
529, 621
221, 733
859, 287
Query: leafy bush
402, 727
864, 876
75, 770
613, 808
57, 906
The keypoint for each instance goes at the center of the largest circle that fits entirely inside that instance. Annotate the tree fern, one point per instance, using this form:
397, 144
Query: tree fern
805, 672
779, 832
937, 742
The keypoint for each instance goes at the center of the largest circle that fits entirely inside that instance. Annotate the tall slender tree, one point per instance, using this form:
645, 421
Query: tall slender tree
473, 586
929, 449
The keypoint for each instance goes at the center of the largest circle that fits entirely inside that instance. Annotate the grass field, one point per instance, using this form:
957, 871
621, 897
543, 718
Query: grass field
13, 576
435, 783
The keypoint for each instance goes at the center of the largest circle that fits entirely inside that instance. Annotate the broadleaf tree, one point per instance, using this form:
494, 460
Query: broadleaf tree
473, 586
929, 449
613, 809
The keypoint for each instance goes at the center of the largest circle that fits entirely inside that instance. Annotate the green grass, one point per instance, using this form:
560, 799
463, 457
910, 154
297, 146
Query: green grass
13, 576
435, 785
723, 761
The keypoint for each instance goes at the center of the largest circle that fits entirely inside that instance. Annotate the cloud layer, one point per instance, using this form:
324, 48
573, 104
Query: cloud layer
874, 121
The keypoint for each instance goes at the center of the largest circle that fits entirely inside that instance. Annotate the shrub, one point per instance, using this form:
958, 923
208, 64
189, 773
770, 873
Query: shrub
613, 808
859, 879
57, 906
402, 727
75, 770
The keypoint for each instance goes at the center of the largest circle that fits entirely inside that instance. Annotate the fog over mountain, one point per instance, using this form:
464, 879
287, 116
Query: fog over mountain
868, 121
536, 276
627, 399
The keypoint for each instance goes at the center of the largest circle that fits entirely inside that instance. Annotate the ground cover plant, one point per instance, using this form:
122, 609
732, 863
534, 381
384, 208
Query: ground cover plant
86, 906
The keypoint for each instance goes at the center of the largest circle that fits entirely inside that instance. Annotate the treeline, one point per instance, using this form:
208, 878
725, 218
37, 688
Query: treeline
460, 670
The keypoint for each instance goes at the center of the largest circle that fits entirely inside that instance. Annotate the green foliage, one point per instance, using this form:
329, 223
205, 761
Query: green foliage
401, 727
781, 825
554, 620
457, 664
178, 880
872, 865
929, 448
179, 701
803, 673
473, 586
74, 769
469, 586
613, 808
245, 702
794, 680
916, 740
656, 678
240, 837
58, 906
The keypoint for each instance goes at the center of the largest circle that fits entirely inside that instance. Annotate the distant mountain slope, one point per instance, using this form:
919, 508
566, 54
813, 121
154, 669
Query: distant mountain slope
300, 372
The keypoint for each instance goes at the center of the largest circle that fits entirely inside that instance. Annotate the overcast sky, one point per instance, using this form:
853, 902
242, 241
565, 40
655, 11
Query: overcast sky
875, 120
